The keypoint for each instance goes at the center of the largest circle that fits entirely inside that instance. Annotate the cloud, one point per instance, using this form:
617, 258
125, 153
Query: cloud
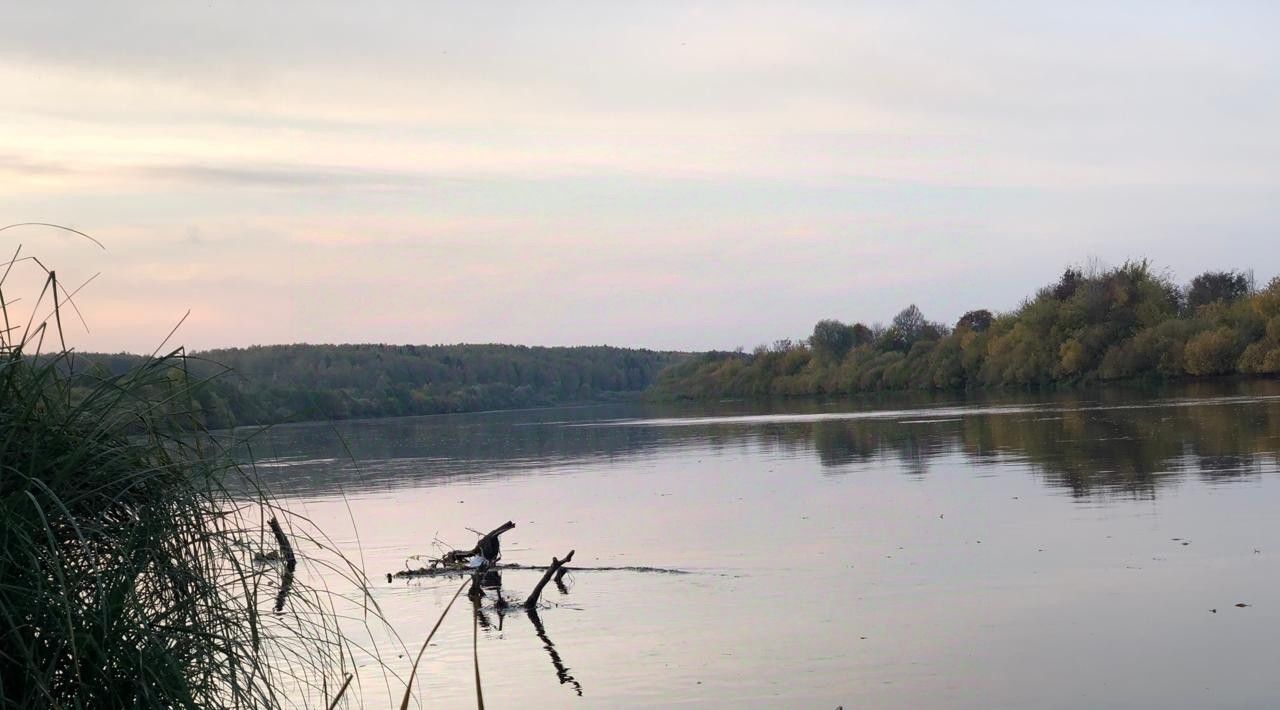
27, 166
279, 176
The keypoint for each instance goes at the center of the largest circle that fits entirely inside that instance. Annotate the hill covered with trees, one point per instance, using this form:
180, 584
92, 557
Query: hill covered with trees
1123, 323
284, 383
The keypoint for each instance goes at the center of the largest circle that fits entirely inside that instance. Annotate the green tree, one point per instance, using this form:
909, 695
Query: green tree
832, 340
1214, 286
1213, 352
976, 321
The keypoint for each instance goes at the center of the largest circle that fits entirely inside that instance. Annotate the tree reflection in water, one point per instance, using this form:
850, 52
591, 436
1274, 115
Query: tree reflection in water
1084, 447
1107, 440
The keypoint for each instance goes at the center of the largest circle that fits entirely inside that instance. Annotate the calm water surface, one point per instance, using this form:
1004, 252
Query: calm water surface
1056, 552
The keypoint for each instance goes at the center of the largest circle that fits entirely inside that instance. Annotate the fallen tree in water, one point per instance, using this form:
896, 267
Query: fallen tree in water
441, 571
485, 555
481, 562
483, 559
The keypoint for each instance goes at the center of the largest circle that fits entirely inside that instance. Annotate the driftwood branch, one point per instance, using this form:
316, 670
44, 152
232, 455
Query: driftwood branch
290, 563
488, 547
556, 564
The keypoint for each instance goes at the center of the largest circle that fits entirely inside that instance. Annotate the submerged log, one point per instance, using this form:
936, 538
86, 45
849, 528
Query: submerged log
437, 571
488, 547
556, 564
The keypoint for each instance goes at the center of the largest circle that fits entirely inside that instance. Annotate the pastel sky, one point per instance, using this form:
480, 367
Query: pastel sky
673, 175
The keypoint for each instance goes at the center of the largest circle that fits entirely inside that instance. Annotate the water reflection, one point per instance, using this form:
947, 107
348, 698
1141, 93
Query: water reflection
489, 583
1082, 446
1112, 441
562, 671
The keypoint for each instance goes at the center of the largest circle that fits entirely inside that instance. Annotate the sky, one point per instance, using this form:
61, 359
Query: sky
675, 175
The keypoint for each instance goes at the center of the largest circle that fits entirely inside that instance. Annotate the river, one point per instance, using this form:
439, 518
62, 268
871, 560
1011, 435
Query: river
1087, 549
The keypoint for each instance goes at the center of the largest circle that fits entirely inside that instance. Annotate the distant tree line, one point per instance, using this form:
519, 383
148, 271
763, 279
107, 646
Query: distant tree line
1122, 323
284, 383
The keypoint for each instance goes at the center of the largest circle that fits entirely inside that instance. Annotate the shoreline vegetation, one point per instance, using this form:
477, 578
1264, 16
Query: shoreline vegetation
1123, 324
276, 384
141, 565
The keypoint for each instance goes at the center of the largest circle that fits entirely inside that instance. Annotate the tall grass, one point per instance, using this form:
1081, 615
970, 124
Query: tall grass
128, 575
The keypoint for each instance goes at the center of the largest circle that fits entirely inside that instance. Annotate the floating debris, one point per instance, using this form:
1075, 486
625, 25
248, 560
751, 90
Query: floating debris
442, 571
484, 555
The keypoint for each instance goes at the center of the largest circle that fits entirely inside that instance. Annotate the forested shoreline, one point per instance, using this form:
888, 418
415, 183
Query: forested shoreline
1124, 323
289, 383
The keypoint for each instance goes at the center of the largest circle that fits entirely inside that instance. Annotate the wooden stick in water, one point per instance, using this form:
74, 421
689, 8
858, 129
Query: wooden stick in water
532, 601
290, 563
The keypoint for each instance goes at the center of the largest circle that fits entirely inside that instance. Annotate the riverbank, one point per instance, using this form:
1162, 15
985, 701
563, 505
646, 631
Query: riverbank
1123, 324
294, 383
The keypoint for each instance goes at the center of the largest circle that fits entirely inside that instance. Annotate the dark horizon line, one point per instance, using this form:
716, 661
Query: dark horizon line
370, 344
